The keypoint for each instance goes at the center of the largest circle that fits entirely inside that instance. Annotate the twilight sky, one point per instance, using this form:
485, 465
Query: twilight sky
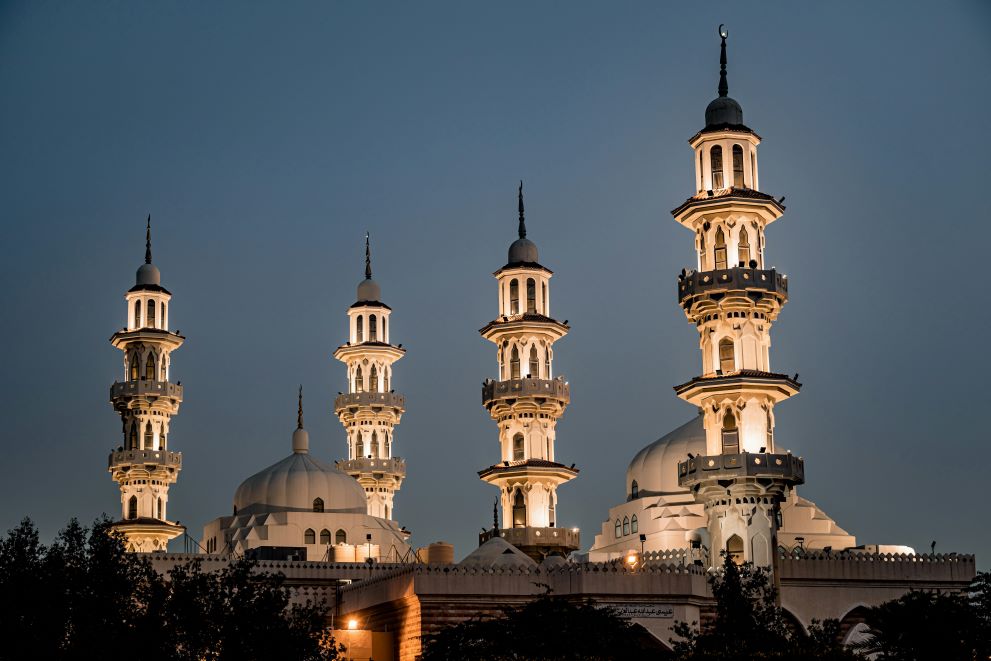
265, 139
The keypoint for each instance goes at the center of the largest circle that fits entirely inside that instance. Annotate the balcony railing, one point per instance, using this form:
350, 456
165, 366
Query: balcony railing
146, 388
391, 399
140, 457
695, 283
515, 388
392, 465
705, 468
545, 537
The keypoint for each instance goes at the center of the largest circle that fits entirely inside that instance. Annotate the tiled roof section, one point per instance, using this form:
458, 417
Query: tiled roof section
526, 316
732, 191
715, 128
371, 344
524, 265
156, 288
370, 304
746, 374
526, 463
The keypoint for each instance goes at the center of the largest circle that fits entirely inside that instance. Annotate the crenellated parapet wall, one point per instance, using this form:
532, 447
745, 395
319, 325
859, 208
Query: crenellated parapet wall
858, 566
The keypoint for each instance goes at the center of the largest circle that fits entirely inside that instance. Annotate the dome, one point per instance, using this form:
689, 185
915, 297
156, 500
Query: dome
523, 250
148, 274
295, 482
497, 552
369, 290
723, 110
655, 468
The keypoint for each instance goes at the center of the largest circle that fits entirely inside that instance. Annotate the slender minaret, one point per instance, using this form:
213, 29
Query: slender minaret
526, 402
732, 298
371, 409
146, 401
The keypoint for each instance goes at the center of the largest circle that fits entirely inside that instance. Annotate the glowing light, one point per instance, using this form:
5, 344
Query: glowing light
631, 559
352, 624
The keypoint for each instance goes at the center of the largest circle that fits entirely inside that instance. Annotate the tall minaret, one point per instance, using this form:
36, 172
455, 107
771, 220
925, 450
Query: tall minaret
371, 409
526, 401
732, 298
146, 401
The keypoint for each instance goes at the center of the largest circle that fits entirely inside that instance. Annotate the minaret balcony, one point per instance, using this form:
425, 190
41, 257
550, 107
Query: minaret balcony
496, 391
537, 542
144, 388
393, 467
700, 284
124, 460
372, 399
780, 468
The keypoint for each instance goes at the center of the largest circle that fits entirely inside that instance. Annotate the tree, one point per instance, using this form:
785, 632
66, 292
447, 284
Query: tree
546, 629
748, 624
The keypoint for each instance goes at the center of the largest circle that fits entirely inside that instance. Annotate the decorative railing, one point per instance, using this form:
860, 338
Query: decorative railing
567, 537
744, 464
160, 457
694, 283
145, 387
390, 399
392, 465
514, 388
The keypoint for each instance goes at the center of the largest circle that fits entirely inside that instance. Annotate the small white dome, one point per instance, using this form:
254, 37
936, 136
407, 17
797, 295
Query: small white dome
655, 468
148, 274
294, 483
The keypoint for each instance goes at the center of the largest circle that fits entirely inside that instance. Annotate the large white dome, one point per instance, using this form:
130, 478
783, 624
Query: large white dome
294, 483
655, 468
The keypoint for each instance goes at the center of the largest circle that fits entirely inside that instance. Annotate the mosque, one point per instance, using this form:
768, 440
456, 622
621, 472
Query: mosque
721, 483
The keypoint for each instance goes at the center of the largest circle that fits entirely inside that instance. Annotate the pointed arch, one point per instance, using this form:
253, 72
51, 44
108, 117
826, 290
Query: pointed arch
634, 525
359, 329
150, 366
375, 445
149, 437
534, 362
359, 380
318, 504
626, 525
727, 356
634, 490
702, 251
619, 528
730, 434
531, 295
518, 449
716, 165
738, 166
386, 373
340, 537
132, 507
519, 509
514, 363
359, 448
137, 313
134, 363
151, 313
734, 549
514, 296
132, 437
325, 537
309, 537
720, 250
373, 380
743, 247
372, 328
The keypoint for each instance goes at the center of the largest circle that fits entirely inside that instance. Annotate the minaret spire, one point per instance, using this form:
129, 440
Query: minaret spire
723, 85
522, 221
299, 411
368, 259
148, 241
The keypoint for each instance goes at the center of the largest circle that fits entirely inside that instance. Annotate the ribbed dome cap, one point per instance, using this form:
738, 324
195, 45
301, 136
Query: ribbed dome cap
523, 250
655, 468
369, 290
148, 274
295, 482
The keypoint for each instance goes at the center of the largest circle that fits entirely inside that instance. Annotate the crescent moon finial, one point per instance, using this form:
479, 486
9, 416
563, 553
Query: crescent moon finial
723, 32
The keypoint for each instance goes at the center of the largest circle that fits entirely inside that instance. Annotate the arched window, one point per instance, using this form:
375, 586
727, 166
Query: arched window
359, 449
534, 363
135, 363
743, 251
372, 328
634, 489
519, 510
701, 172
340, 537
518, 447
730, 434
375, 445
385, 337
753, 169
385, 378
309, 537
325, 537
150, 367
543, 298
702, 255
373, 380
514, 296
770, 432
716, 163
159, 508
151, 312
734, 549
531, 295
634, 525
738, 166
619, 528
727, 360
386, 507
360, 330
164, 374
137, 314
149, 437
132, 507
132, 437
161, 439
626, 525
387, 448
359, 380
318, 504
162, 318
720, 252
514, 364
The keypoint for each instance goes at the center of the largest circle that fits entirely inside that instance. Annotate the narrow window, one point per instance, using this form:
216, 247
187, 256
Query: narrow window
731, 435
518, 447
325, 537
385, 338
161, 440
534, 363
543, 298
519, 510
162, 318
734, 549
372, 329
550, 510
359, 380
547, 363
753, 170
318, 504
514, 297
387, 448
720, 251
164, 372
531, 295
619, 528
634, 490
151, 313
309, 537
386, 511
743, 251
159, 508
514, 364
716, 163
702, 256
150, 367
359, 449
149, 437
375, 445
626, 525
373, 381
132, 438
634, 525
360, 330
341, 537
132, 507
701, 172
770, 432
137, 314
385, 379
738, 166
727, 361
135, 362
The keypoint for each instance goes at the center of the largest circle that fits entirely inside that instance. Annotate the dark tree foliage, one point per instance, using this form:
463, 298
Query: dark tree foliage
749, 624
546, 629
84, 597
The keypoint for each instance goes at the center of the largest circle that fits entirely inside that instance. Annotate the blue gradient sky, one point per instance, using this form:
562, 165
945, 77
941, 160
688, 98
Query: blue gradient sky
265, 139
